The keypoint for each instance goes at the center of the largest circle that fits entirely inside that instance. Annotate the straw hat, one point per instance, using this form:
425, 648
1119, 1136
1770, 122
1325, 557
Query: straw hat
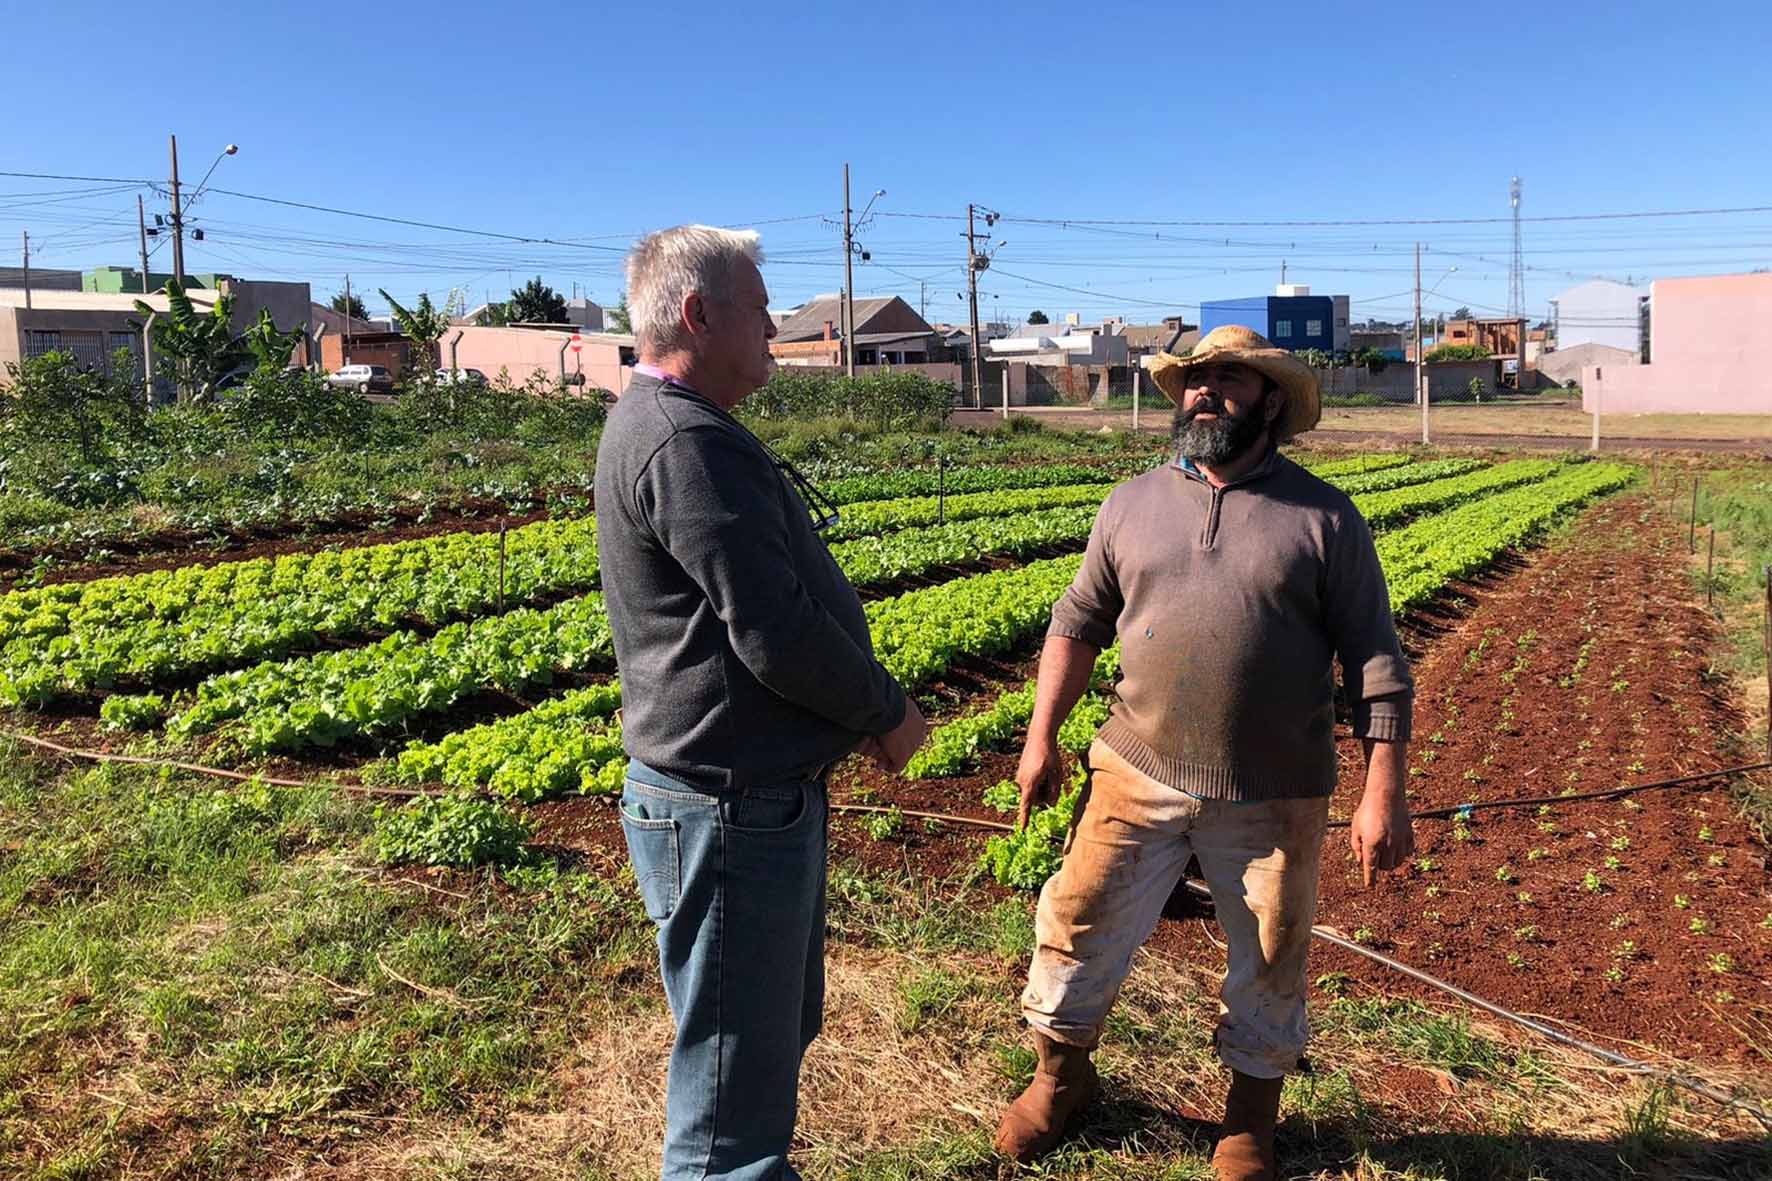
1235, 344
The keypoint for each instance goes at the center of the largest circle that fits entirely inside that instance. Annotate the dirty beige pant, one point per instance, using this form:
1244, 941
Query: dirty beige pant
1128, 846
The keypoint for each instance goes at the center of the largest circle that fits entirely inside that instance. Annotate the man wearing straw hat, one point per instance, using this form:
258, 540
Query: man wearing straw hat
1233, 579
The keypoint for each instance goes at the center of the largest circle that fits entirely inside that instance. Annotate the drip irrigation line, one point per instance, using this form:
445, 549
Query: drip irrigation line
100, 756
1622, 1061
1607, 793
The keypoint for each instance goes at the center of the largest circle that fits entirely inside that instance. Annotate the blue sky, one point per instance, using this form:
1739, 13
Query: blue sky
587, 127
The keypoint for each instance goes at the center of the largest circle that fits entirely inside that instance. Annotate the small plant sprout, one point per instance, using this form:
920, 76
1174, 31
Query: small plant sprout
1516, 961
1504, 873
1537, 854
1637, 767
1628, 950
1766, 923
1524, 898
1717, 860
1620, 921
1526, 934
1544, 809
1547, 826
1459, 831
883, 825
1426, 864
1705, 834
1613, 862
1590, 881
1365, 936
1615, 974
1720, 963
1700, 925
1620, 843
1433, 891
1682, 901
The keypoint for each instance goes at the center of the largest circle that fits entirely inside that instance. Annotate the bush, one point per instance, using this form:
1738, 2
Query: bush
457, 830
69, 431
296, 404
891, 400
1457, 352
1355, 399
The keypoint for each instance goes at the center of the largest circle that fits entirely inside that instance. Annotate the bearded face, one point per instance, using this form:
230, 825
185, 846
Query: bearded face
1224, 414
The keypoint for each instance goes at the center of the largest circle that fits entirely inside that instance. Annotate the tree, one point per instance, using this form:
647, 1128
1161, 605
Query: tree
354, 309
493, 315
423, 325
198, 348
537, 303
270, 347
1038, 317
1461, 313
1457, 352
617, 318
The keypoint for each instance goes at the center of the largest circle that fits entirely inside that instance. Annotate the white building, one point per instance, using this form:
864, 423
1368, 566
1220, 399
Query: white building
1598, 312
1061, 344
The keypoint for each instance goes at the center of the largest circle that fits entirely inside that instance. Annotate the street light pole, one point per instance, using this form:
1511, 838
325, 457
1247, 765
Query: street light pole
1420, 382
141, 225
178, 222
848, 282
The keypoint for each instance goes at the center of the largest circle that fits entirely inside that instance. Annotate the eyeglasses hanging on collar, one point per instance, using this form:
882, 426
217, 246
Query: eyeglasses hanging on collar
822, 510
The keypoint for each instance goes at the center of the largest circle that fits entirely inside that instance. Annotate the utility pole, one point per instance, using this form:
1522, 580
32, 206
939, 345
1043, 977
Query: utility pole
1420, 374
178, 221
973, 259
27, 270
848, 282
346, 347
141, 225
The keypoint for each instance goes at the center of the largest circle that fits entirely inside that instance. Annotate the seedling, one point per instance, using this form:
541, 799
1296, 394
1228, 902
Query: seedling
1705, 833
1516, 961
1537, 854
1526, 934
1613, 862
883, 825
1620, 921
1716, 860
1504, 873
1628, 950
1365, 936
1524, 898
1615, 974
1682, 901
1433, 891
1426, 864
1591, 882
1720, 963
1700, 925
1620, 843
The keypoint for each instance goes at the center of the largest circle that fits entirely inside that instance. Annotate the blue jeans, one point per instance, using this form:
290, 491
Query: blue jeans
736, 885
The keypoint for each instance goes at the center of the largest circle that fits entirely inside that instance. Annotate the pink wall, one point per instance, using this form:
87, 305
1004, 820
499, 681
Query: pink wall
1710, 348
521, 352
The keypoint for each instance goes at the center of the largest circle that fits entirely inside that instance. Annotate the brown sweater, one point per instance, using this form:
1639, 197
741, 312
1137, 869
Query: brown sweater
1230, 604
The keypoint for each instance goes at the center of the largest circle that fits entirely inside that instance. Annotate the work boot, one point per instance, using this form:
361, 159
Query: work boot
1246, 1145
1038, 1119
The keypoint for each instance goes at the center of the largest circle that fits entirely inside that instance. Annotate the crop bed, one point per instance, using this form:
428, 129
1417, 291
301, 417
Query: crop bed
392, 663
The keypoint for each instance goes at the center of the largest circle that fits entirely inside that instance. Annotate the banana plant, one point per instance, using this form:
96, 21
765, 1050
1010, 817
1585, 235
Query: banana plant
423, 325
199, 348
270, 347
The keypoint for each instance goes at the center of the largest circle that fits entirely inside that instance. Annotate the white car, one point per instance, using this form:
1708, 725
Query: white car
461, 377
365, 379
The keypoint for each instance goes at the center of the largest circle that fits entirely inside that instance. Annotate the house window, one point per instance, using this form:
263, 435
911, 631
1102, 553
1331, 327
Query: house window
38, 341
1313, 327
1282, 328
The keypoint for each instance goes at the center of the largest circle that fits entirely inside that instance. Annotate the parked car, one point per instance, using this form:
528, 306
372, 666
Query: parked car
365, 379
461, 377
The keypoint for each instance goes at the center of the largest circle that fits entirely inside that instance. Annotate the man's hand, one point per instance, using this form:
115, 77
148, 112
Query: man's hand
1040, 776
893, 749
1381, 834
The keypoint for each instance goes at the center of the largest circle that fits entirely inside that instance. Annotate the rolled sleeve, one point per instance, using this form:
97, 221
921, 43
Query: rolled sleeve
1374, 672
1089, 610
720, 512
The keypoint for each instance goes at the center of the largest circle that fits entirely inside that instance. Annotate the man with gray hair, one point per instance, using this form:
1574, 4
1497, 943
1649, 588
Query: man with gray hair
747, 670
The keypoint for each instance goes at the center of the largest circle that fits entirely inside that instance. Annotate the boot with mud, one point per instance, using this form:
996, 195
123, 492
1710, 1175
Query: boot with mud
1246, 1144
1064, 1082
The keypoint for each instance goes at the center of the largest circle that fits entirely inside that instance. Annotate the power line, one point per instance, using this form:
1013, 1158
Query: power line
1397, 221
424, 225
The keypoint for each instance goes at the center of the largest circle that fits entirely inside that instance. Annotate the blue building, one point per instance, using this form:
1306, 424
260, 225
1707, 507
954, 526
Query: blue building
1293, 319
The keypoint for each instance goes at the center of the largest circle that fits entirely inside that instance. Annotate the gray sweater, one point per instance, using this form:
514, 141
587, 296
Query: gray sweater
1230, 604
745, 657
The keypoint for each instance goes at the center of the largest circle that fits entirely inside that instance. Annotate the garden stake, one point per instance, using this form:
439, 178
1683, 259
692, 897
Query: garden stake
1766, 641
1692, 535
1710, 562
941, 492
501, 569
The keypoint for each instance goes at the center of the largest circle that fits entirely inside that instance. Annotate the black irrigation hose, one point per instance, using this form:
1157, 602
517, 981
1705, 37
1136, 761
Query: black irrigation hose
1696, 1086
1627, 789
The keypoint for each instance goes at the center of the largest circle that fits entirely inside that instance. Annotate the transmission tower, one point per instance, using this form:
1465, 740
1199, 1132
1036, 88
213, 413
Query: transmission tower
1516, 279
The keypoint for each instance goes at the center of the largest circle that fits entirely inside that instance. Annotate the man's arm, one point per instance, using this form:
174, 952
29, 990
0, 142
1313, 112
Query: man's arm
1065, 668
1381, 833
718, 509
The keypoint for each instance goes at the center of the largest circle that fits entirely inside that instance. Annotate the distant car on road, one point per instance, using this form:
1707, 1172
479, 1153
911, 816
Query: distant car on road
461, 377
365, 379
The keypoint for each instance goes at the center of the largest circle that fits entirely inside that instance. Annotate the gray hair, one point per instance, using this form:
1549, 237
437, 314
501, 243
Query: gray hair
669, 264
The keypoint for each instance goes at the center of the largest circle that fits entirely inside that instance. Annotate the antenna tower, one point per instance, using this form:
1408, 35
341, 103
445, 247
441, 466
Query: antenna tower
1516, 279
